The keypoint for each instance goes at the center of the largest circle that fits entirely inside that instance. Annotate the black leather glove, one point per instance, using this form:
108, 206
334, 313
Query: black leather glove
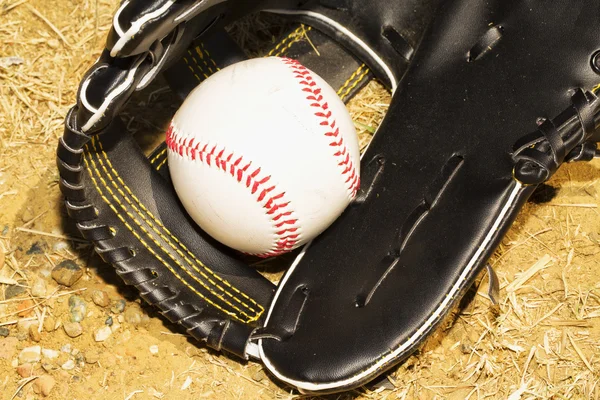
442, 180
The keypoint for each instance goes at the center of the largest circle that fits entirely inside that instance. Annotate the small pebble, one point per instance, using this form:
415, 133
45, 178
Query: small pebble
31, 354
91, 356
53, 43
4, 332
66, 348
73, 329
118, 307
36, 248
34, 333
50, 354
60, 245
154, 349
49, 324
38, 289
27, 215
136, 317
100, 298
115, 327
69, 365
77, 308
25, 370
102, 334
67, 273
44, 385
25, 308
48, 367
23, 327
8, 348
45, 273
14, 290
80, 359
22, 336
109, 321
259, 375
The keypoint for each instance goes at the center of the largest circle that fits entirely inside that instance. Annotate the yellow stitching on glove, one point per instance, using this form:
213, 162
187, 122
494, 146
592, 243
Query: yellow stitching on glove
115, 173
156, 157
183, 256
132, 230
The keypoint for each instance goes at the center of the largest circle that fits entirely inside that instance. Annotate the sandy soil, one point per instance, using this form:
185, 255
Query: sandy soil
542, 342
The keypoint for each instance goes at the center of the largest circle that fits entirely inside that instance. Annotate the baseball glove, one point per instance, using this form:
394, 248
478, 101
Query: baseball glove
497, 96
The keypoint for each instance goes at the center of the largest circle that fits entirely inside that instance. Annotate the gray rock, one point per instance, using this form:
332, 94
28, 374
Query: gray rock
77, 308
4, 332
15, 290
67, 273
109, 321
36, 248
118, 307
80, 360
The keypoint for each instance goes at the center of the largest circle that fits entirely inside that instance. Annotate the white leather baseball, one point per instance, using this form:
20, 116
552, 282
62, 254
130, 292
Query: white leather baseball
264, 155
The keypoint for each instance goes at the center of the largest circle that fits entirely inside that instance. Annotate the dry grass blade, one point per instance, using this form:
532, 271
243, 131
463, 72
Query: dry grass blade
16, 321
580, 353
24, 382
575, 205
36, 232
8, 281
50, 24
10, 7
529, 358
541, 264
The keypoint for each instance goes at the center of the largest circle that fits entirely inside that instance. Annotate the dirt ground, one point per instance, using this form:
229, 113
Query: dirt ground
542, 342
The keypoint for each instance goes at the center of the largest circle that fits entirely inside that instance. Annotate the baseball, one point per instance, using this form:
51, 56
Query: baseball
264, 155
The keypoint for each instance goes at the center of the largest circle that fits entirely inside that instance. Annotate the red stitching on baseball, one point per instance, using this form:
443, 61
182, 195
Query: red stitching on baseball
286, 238
310, 86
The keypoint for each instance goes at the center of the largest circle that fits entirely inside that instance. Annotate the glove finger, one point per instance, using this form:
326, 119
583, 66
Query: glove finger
138, 24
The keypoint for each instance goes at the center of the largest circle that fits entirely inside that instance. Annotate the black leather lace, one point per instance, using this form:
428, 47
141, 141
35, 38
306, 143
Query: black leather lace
568, 137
